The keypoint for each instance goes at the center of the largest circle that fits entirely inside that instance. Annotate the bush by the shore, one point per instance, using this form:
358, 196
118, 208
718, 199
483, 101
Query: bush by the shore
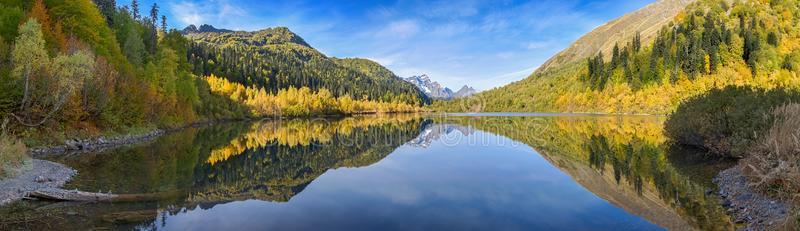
773, 166
726, 122
762, 127
12, 154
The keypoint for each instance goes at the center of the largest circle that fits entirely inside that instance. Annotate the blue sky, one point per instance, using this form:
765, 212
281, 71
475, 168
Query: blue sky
482, 43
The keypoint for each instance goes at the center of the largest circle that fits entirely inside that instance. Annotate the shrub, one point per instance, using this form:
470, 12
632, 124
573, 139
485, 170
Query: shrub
12, 154
726, 122
774, 164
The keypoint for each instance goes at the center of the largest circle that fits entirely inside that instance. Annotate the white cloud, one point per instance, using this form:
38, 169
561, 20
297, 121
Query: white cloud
450, 29
537, 45
186, 13
400, 29
220, 13
506, 55
449, 9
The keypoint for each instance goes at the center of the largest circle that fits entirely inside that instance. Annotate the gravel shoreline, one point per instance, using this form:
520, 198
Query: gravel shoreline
34, 175
43, 175
75, 146
746, 206
38, 175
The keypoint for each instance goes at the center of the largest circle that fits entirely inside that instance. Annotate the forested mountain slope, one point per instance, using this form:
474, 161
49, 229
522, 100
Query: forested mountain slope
277, 58
646, 21
83, 68
711, 44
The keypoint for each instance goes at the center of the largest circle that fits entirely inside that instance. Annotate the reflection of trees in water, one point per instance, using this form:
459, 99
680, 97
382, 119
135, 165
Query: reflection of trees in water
276, 171
638, 161
300, 132
629, 148
274, 168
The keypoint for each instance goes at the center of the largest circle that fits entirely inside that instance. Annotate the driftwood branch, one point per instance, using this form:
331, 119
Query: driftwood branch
80, 196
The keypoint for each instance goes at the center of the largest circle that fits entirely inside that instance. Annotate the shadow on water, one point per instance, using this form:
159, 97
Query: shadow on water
622, 160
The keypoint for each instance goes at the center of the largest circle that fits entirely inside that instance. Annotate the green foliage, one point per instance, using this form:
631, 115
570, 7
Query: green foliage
792, 61
10, 20
82, 19
108, 8
133, 47
726, 122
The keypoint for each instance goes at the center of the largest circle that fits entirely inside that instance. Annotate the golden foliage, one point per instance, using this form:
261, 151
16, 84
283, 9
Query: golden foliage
301, 102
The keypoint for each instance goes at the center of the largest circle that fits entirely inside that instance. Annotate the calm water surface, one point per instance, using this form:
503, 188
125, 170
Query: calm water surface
465, 172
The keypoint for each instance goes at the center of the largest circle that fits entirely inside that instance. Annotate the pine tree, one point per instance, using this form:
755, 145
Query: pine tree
135, 9
164, 23
615, 56
107, 8
154, 15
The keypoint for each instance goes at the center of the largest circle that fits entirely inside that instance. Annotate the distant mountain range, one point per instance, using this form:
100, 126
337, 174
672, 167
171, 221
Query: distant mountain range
435, 90
203, 29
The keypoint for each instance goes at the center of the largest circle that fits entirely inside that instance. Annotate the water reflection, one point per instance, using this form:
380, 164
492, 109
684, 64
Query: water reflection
624, 160
392, 172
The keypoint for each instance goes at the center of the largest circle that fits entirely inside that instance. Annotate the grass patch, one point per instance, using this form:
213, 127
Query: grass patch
774, 164
13, 154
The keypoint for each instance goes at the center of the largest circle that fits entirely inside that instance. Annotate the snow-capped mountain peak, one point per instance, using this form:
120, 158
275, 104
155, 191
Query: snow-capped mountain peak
435, 90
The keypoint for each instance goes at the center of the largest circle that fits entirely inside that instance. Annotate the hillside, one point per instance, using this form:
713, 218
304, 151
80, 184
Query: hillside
277, 58
710, 45
647, 21
87, 68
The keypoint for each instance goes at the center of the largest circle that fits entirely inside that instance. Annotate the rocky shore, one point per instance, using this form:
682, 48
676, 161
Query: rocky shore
94, 144
34, 175
751, 209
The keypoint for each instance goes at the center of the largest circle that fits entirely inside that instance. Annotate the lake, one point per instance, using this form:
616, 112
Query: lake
402, 172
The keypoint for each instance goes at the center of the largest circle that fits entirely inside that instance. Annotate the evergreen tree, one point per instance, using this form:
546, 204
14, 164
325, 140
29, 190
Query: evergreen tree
154, 15
108, 8
135, 9
164, 23
615, 56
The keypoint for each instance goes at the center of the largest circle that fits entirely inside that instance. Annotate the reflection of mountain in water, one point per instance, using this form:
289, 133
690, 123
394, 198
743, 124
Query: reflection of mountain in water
435, 131
620, 159
203, 167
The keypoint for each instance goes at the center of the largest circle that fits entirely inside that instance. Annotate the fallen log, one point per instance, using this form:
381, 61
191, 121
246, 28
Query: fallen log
73, 195
80, 196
